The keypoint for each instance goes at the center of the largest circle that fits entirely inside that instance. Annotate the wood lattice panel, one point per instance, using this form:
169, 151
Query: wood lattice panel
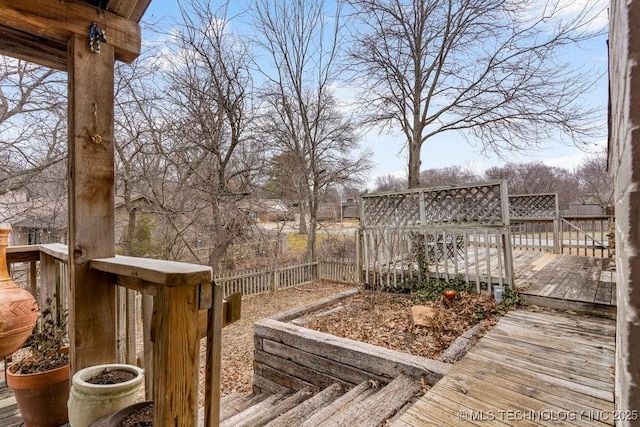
451, 206
394, 211
437, 233
479, 205
539, 206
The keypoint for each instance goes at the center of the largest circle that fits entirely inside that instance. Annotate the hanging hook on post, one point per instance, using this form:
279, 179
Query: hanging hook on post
96, 36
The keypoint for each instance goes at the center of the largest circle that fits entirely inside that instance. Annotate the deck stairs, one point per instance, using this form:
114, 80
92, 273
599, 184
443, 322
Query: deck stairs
367, 404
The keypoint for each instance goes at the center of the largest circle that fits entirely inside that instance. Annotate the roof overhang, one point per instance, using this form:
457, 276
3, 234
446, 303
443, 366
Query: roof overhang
38, 30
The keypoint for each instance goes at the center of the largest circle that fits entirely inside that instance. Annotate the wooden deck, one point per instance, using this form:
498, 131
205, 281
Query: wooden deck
565, 281
531, 369
9, 414
559, 281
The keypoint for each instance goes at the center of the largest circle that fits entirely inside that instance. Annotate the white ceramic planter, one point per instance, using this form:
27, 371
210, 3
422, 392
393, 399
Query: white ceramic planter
90, 402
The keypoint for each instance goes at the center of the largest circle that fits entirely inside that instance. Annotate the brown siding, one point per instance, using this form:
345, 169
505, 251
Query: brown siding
624, 163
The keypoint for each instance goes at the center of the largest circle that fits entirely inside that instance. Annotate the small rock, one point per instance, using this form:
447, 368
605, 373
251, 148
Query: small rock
422, 315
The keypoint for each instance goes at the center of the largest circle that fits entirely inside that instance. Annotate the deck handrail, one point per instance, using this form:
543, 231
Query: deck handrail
187, 306
180, 291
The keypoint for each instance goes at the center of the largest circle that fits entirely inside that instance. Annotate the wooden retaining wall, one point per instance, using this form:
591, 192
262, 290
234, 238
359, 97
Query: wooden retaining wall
292, 357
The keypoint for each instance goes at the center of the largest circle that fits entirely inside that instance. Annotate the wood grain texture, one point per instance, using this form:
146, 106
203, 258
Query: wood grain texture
92, 325
168, 273
176, 356
213, 360
56, 250
24, 253
28, 25
534, 364
376, 360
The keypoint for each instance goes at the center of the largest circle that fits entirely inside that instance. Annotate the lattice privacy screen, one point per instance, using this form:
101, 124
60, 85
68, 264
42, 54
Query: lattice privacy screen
479, 205
533, 206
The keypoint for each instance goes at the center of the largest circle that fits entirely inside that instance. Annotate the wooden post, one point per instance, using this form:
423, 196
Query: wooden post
92, 326
147, 322
47, 282
33, 278
131, 317
176, 355
557, 229
506, 237
214, 359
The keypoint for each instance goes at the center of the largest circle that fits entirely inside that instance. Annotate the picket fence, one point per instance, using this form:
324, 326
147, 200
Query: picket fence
271, 279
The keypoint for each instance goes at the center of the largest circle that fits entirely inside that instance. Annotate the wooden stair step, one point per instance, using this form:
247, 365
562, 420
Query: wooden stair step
260, 418
265, 405
238, 403
296, 416
382, 405
332, 413
230, 400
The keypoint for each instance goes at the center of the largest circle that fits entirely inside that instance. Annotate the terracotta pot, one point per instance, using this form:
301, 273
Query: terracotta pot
41, 397
18, 308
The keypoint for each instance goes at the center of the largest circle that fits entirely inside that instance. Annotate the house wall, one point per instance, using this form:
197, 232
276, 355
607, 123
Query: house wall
624, 164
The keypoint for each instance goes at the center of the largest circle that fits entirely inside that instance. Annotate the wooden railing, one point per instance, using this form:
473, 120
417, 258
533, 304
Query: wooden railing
185, 306
577, 235
403, 260
535, 235
586, 235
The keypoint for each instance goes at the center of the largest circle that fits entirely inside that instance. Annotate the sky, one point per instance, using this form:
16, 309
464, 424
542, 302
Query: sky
452, 149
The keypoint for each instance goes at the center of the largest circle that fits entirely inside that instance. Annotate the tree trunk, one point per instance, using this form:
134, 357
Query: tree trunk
414, 162
311, 237
302, 228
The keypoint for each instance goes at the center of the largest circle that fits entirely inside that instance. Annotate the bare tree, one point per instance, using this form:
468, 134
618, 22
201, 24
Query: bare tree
138, 129
32, 122
33, 148
209, 156
596, 185
537, 178
450, 175
389, 183
287, 180
302, 116
490, 68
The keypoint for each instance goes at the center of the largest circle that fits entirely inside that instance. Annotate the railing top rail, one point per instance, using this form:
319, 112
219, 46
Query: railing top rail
430, 189
587, 217
56, 250
530, 219
161, 272
24, 253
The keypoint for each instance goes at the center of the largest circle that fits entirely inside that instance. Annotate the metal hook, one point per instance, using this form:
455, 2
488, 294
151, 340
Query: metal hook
96, 35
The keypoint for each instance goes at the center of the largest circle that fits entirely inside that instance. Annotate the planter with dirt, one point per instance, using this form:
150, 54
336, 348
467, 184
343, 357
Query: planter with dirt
100, 390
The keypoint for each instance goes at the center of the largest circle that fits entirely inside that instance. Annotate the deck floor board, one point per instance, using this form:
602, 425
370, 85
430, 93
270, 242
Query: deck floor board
9, 414
532, 368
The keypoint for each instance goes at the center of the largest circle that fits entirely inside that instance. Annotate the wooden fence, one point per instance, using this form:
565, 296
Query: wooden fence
269, 279
455, 232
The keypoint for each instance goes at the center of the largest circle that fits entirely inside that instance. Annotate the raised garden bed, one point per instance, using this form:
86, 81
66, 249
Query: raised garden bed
291, 356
